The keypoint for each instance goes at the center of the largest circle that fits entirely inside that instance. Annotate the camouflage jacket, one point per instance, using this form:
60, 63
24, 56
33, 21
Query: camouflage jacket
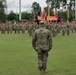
42, 40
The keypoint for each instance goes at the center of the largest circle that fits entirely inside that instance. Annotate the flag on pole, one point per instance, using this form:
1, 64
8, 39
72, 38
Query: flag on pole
48, 11
68, 13
56, 13
43, 14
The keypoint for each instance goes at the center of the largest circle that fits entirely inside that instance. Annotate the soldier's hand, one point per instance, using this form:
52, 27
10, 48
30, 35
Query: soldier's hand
35, 50
49, 49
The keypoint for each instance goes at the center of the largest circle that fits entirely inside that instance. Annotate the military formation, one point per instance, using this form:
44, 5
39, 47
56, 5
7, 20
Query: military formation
64, 29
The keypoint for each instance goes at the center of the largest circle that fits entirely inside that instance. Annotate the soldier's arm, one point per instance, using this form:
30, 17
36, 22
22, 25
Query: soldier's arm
50, 41
34, 40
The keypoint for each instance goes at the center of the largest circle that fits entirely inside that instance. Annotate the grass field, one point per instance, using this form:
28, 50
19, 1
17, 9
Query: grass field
17, 56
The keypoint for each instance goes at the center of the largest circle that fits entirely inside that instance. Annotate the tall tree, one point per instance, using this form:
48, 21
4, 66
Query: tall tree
26, 15
51, 11
2, 10
11, 16
53, 3
36, 8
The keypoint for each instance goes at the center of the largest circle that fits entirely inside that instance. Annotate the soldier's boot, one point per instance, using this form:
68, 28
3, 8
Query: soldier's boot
67, 32
15, 31
75, 31
45, 71
40, 70
7, 32
18, 31
44, 66
4, 32
72, 31
10, 32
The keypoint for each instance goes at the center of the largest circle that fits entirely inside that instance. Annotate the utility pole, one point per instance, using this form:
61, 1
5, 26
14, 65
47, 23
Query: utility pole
19, 10
75, 9
68, 10
17, 14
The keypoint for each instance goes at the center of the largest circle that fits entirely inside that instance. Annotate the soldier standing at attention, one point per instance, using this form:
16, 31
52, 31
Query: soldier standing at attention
42, 43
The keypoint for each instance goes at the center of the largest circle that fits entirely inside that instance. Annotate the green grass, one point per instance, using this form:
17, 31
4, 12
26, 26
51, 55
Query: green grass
17, 56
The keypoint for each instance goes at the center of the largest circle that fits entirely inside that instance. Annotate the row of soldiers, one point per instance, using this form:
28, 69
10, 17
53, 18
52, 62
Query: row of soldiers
18, 27
4, 28
64, 29
53, 27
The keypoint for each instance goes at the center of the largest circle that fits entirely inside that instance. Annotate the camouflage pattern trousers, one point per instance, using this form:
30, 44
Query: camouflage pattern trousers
42, 59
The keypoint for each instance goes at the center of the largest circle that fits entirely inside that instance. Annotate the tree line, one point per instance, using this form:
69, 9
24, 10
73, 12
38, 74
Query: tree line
36, 8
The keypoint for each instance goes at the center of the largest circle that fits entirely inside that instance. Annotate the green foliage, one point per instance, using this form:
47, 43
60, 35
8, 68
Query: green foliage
11, 16
51, 11
17, 57
71, 16
26, 15
54, 3
63, 15
2, 11
36, 8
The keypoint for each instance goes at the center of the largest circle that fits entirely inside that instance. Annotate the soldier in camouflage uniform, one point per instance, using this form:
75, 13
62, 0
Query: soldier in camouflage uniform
18, 28
63, 30
10, 28
23, 28
30, 30
42, 43
3, 28
72, 28
75, 28
68, 29
7, 28
0, 24
53, 31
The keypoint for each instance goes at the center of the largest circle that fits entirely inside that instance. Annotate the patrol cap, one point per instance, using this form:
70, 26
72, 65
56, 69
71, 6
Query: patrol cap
41, 22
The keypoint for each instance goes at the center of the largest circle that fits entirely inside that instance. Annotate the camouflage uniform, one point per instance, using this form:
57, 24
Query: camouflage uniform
18, 28
75, 28
30, 30
3, 28
63, 30
7, 28
42, 43
68, 30
23, 28
10, 28
0, 27
54, 31
72, 28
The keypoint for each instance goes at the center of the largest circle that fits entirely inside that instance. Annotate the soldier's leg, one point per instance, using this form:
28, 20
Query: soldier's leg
18, 31
11, 31
75, 30
8, 31
40, 60
44, 62
2, 31
15, 31
63, 33
68, 33
71, 30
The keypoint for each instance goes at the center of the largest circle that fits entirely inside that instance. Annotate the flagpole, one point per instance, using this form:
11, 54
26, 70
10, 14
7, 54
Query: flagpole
19, 10
75, 9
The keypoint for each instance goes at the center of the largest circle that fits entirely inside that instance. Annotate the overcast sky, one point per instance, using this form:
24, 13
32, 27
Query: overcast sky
25, 5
